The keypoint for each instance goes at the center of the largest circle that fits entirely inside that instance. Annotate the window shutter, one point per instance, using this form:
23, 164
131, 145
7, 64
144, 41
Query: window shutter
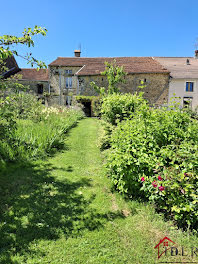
187, 87
191, 87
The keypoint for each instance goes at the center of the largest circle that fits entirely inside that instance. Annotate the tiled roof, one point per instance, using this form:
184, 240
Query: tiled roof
94, 66
178, 66
34, 74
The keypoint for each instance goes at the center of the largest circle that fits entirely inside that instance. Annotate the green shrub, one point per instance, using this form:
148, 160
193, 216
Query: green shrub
120, 106
105, 135
25, 106
159, 141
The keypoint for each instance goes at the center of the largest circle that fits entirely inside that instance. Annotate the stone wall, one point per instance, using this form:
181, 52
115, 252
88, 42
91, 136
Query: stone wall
33, 85
155, 91
57, 79
33, 88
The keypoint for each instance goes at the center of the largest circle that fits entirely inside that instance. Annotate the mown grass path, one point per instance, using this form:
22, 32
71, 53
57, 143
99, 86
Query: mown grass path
63, 211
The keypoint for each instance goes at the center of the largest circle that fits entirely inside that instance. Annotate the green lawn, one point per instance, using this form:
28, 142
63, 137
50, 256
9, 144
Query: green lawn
62, 211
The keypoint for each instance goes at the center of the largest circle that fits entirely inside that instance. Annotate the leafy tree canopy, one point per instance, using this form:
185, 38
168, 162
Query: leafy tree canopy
115, 75
9, 43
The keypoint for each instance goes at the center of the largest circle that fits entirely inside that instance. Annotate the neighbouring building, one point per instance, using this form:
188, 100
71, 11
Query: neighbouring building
9, 67
183, 79
37, 80
72, 76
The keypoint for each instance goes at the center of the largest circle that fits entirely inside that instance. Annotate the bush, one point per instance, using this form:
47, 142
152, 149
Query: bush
25, 106
163, 142
116, 107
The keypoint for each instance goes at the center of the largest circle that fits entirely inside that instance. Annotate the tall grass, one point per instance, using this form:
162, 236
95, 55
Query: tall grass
37, 139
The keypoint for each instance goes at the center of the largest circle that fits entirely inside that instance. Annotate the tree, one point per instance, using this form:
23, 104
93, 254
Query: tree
9, 43
115, 75
8, 48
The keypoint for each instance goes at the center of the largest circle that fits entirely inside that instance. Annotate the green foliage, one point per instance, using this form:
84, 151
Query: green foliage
38, 139
11, 84
84, 98
162, 141
30, 130
24, 106
116, 107
105, 135
8, 45
115, 75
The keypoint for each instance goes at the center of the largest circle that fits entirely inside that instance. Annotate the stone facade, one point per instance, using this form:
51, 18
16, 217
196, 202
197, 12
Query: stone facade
57, 80
155, 91
38, 88
67, 77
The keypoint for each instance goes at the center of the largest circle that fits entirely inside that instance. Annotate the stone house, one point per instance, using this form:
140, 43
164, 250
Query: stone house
72, 76
183, 79
37, 80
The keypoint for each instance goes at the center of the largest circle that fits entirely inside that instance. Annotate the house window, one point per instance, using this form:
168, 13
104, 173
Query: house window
68, 100
187, 102
189, 86
68, 71
39, 88
69, 82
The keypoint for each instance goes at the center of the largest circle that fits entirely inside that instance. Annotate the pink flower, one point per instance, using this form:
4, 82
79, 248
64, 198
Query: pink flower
160, 178
154, 184
161, 188
142, 179
185, 174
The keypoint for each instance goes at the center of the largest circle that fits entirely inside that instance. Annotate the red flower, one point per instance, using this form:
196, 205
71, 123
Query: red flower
154, 184
160, 178
142, 179
161, 188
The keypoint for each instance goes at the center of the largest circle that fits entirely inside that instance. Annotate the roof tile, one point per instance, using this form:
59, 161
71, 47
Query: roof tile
94, 66
34, 74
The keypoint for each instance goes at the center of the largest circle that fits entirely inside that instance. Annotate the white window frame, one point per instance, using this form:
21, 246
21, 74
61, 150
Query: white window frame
69, 82
68, 71
194, 86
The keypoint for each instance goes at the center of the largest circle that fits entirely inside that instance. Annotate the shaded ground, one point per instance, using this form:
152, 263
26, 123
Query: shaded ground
62, 211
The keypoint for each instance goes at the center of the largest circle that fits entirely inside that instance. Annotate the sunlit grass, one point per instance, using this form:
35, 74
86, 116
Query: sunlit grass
62, 210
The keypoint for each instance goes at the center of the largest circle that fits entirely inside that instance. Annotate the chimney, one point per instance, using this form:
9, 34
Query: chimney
77, 53
196, 54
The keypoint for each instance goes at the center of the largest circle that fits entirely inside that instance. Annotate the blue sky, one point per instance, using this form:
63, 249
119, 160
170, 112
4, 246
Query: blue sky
105, 28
